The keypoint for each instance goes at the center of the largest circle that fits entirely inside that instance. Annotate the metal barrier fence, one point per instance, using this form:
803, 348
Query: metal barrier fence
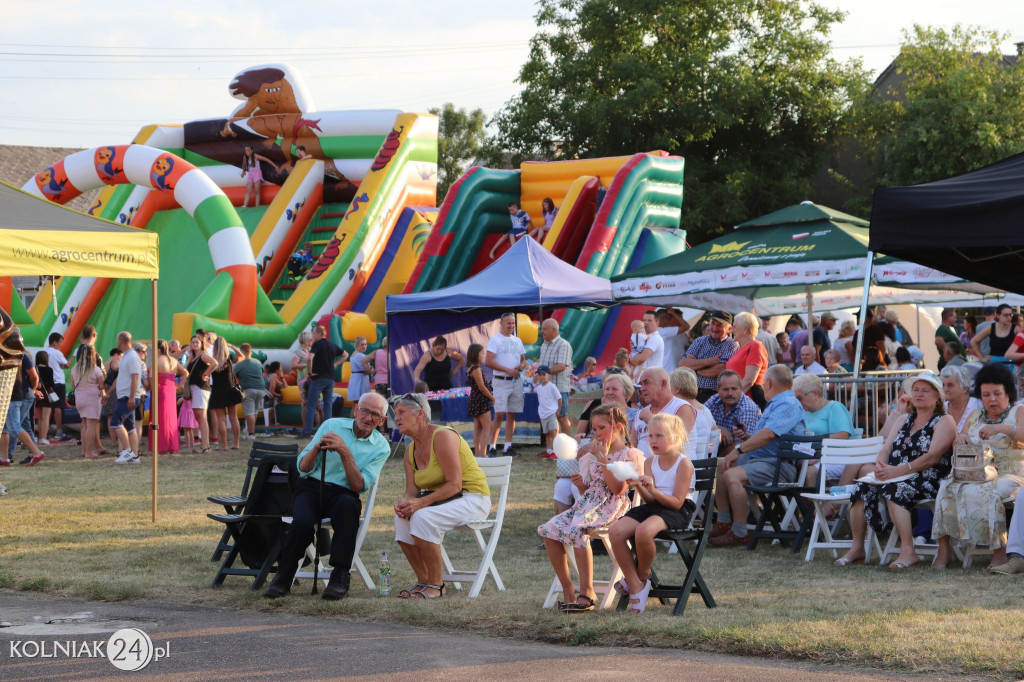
869, 397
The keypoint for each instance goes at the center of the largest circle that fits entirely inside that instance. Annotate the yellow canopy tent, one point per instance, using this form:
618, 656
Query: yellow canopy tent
38, 237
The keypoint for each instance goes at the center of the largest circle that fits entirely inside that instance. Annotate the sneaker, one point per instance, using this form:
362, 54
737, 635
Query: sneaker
43, 442
26, 460
548, 455
126, 457
5, 462
35, 459
492, 451
510, 452
1015, 564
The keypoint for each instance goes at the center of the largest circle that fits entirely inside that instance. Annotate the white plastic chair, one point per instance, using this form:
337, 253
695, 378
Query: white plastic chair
324, 572
604, 589
498, 471
845, 452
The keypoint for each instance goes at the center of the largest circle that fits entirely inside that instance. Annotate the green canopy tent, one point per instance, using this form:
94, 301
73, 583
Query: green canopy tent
798, 259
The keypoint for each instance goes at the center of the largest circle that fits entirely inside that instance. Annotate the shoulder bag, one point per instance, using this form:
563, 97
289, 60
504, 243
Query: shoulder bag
973, 464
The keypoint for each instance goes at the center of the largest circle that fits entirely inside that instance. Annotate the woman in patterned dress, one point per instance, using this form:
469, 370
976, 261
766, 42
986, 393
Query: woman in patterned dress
920, 447
602, 501
974, 512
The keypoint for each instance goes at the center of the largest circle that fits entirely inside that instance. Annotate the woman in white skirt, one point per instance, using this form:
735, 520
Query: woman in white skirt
444, 489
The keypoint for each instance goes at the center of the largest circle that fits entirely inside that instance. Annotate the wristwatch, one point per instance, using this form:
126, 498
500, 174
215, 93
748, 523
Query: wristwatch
739, 448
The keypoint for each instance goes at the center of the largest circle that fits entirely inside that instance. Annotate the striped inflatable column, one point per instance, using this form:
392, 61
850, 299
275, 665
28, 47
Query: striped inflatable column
192, 189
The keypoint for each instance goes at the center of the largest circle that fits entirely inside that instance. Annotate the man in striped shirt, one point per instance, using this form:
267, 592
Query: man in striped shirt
556, 353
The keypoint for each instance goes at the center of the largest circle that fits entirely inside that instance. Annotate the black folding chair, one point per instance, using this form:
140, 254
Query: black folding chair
233, 503
257, 532
778, 498
705, 470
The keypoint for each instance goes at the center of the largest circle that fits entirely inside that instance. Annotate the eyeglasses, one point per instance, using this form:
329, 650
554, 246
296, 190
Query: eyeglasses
370, 413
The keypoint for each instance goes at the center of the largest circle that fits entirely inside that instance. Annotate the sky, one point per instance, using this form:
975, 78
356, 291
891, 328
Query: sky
80, 77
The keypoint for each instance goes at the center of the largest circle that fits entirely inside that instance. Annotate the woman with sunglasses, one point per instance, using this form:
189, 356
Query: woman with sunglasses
444, 489
1001, 335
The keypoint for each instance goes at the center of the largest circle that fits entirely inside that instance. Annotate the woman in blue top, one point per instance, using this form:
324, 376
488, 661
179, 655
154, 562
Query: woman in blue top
823, 417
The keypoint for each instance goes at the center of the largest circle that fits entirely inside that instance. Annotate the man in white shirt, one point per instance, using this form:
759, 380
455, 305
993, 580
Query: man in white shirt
129, 388
654, 352
672, 328
655, 393
809, 363
58, 363
506, 355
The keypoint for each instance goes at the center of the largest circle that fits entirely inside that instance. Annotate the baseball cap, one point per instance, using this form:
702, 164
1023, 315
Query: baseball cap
722, 315
543, 369
828, 316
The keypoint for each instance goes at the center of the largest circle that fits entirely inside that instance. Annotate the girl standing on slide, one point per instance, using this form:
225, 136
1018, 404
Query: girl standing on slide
253, 175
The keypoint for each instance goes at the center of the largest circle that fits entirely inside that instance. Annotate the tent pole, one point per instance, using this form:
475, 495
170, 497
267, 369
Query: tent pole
863, 314
154, 400
810, 319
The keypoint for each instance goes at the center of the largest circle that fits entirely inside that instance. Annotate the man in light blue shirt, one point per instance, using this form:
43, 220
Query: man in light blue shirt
754, 460
354, 452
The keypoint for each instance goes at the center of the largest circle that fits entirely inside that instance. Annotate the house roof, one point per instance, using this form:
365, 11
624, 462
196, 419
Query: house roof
19, 164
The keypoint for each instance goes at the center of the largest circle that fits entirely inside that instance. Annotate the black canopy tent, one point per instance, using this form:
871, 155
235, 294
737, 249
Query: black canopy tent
969, 225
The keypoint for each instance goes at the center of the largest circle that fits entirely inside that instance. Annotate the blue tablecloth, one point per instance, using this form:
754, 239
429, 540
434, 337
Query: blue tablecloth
455, 409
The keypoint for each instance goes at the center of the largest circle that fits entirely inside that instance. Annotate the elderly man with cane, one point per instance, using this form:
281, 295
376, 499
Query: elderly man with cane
354, 453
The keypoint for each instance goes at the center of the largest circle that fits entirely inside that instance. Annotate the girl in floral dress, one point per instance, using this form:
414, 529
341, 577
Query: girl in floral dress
602, 501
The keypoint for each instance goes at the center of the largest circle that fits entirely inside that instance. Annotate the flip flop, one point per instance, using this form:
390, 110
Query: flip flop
640, 598
844, 561
901, 566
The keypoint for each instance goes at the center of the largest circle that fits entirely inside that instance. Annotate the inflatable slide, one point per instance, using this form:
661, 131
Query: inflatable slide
614, 213
340, 181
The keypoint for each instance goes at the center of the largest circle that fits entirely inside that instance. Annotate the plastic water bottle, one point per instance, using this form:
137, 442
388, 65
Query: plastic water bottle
385, 575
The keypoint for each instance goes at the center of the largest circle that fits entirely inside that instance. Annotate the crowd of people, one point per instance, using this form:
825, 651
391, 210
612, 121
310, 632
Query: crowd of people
678, 393
199, 389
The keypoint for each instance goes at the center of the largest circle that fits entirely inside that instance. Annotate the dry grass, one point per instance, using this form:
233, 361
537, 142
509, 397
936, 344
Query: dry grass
82, 528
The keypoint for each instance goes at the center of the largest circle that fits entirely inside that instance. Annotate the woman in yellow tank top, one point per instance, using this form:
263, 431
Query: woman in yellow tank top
444, 489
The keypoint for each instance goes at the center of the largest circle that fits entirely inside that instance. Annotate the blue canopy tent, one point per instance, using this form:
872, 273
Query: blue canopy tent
527, 278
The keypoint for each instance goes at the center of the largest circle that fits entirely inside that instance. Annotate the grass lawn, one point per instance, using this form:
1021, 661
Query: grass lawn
82, 528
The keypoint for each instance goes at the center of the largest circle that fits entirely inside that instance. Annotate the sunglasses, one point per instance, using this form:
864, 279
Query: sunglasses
615, 370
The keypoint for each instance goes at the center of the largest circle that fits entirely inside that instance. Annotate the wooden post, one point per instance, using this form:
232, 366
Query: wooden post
154, 400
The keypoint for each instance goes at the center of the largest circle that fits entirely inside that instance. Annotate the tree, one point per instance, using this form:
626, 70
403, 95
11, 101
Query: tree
953, 105
459, 139
745, 90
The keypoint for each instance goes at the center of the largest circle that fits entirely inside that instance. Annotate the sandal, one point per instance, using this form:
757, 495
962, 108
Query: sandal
622, 587
588, 606
846, 561
638, 601
422, 594
415, 589
902, 566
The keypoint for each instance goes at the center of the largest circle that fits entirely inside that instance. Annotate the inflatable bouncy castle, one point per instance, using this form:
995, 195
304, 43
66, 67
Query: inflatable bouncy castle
357, 187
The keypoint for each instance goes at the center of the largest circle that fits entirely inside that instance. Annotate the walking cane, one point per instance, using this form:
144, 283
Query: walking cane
319, 525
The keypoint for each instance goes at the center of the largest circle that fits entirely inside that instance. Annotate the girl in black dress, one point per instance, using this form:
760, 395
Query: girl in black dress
481, 400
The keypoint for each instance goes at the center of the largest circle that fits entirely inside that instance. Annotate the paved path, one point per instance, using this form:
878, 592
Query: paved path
226, 644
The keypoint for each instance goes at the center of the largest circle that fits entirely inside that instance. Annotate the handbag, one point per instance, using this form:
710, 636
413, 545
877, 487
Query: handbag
424, 493
237, 394
973, 464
